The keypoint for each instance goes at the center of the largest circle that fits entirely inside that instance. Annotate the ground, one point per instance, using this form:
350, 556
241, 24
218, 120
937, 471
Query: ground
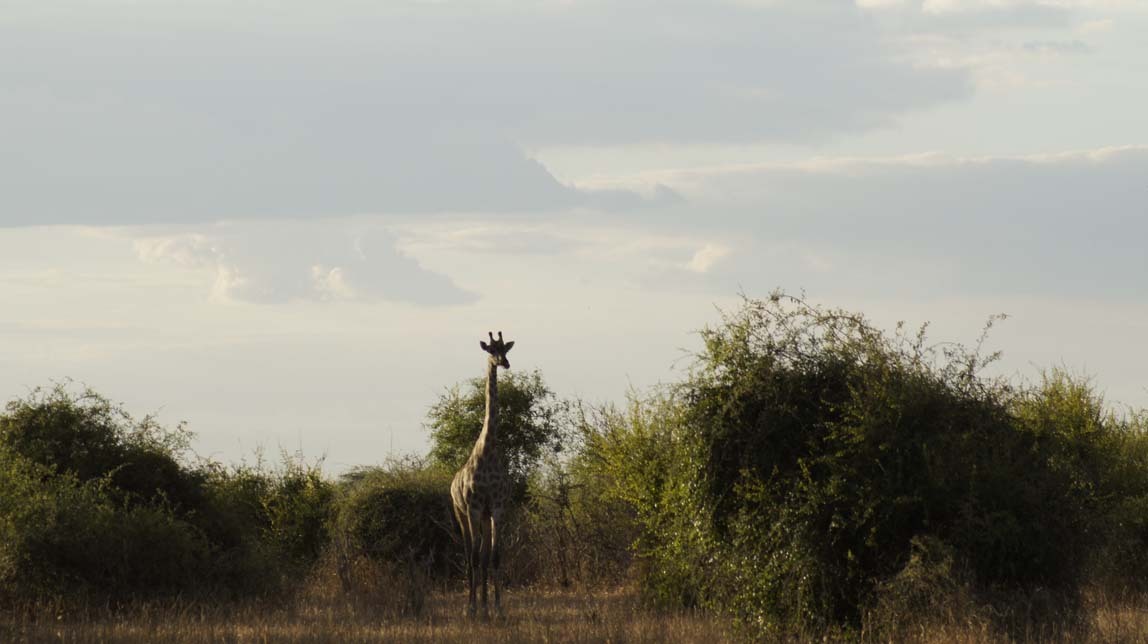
531, 616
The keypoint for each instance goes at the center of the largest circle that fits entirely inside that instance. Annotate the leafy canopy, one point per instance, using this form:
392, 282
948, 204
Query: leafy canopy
529, 422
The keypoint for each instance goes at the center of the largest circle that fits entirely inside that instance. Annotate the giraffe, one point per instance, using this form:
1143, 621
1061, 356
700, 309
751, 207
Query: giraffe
480, 491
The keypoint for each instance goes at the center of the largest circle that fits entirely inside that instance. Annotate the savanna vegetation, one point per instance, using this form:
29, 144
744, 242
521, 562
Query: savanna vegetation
811, 476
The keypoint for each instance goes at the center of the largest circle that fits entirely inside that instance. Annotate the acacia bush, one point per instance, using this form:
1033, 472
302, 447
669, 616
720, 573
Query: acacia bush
95, 503
577, 531
267, 526
788, 479
645, 464
61, 535
397, 514
86, 435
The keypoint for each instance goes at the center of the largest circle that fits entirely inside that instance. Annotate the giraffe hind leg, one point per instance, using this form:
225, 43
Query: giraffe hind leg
464, 527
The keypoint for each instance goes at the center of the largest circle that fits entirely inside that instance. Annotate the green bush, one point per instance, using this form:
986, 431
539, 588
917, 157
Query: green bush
61, 535
648, 463
91, 438
266, 527
577, 530
789, 478
297, 509
400, 513
93, 502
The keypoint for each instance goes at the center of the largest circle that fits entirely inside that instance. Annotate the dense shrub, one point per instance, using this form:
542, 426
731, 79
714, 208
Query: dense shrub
398, 513
86, 435
642, 459
59, 534
790, 477
267, 526
94, 502
577, 530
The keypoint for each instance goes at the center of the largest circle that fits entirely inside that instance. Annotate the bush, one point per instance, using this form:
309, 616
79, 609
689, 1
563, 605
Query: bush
266, 527
397, 514
297, 508
577, 531
790, 477
91, 438
646, 462
61, 535
93, 502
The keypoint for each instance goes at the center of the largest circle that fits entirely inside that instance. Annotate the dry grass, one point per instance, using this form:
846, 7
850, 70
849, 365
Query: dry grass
1101, 617
531, 616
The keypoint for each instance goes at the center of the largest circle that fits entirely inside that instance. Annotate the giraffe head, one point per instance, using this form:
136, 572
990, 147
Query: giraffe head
497, 350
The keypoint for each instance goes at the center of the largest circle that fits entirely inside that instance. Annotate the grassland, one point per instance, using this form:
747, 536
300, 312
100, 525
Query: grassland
531, 616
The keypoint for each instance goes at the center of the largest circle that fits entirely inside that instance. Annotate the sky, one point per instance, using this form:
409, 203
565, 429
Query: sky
289, 223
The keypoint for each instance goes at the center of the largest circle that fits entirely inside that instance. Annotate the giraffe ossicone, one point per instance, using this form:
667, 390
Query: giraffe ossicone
480, 491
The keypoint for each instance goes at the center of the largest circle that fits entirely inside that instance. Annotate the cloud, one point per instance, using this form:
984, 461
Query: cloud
503, 238
706, 257
944, 6
277, 262
966, 16
174, 112
1009, 9
1057, 47
1059, 223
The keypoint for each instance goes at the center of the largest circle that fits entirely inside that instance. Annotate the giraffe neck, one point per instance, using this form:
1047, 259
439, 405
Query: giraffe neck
489, 436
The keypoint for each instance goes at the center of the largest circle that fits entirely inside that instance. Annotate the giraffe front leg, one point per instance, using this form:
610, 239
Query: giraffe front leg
484, 547
471, 552
496, 560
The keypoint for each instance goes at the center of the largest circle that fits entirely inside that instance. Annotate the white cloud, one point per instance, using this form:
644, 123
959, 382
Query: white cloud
137, 114
1051, 223
331, 283
1096, 26
706, 257
277, 262
191, 250
963, 6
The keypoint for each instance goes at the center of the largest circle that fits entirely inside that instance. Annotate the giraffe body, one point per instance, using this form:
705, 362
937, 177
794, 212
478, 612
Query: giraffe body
480, 491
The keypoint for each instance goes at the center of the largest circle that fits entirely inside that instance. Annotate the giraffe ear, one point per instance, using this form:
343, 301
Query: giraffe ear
509, 346
484, 345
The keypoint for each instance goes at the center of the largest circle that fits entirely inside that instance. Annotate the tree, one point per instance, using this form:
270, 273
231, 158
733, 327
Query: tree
529, 422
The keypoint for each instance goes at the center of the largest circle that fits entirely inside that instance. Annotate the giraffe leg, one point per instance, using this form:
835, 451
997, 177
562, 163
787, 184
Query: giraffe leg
486, 543
476, 534
495, 559
478, 558
463, 518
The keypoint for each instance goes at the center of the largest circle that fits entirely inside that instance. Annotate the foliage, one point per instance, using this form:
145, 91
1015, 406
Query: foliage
647, 464
61, 534
266, 524
578, 530
91, 438
812, 475
94, 502
297, 508
530, 423
399, 513
790, 477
